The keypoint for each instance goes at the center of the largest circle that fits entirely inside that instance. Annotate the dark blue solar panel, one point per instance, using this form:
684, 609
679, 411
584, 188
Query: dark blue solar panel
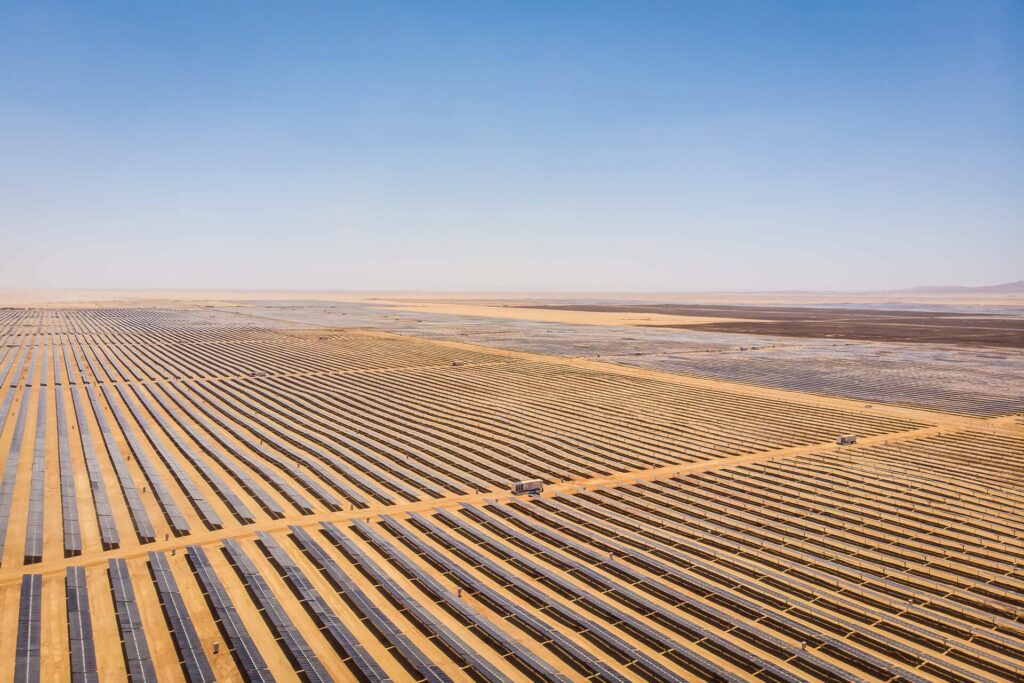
334, 628
298, 650
26, 649
480, 665
133, 638
250, 662
80, 636
193, 659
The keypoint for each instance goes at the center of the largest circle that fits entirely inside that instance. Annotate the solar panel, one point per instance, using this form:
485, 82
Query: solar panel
481, 667
331, 444
133, 638
206, 513
179, 621
247, 656
591, 629
550, 637
273, 478
37, 493
82, 648
384, 627
326, 405
137, 510
629, 597
8, 379
68, 493
311, 484
295, 449
238, 508
109, 536
344, 641
522, 656
706, 569
11, 468
175, 518
26, 649
296, 647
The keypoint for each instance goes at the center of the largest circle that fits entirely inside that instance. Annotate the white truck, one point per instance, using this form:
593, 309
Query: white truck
530, 486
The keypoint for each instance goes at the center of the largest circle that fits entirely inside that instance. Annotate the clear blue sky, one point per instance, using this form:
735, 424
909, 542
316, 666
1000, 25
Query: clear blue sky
511, 145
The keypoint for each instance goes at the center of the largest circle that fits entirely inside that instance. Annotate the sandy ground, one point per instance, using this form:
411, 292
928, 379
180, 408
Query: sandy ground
559, 316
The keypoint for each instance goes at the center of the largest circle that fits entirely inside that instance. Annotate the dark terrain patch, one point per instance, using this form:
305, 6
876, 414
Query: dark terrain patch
933, 327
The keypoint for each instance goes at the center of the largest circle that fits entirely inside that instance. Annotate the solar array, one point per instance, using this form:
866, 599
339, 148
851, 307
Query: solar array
36, 501
81, 642
250, 662
68, 492
190, 649
13, 459
26, 656
194, 495
138, 662
291, 640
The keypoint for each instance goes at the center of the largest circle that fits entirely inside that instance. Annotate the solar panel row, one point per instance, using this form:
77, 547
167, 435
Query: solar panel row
140, 518
26, 652
497, 638
344, 641
36, 496
674, 618
11, 471
129, 621
193, 660
413, 657
247, 656
589, 628
238, 508
863, 658
589, 600
562, 646
831, 574
177, 521
217, 454
109, 536
330, 446
298, 650
12, 372
270, 435
203, 412
413, 452
479, 666
68, 492
367, 449
323, 441
82, 647
192, 492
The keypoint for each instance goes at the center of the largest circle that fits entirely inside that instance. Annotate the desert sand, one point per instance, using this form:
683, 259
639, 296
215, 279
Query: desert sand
223, 442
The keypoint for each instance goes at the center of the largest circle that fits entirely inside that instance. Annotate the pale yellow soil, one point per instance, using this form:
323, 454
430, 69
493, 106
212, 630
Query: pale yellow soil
545, 315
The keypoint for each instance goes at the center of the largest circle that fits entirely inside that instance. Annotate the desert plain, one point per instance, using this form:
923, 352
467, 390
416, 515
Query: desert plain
307, 486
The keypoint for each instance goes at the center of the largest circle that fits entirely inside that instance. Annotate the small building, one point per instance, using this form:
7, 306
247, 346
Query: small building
530, 486
846, 439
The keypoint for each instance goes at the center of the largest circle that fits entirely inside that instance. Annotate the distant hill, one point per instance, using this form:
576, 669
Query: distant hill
1005, 288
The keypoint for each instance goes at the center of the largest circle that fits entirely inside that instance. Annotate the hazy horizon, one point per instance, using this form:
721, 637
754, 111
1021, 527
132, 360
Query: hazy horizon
651, 147
923, 289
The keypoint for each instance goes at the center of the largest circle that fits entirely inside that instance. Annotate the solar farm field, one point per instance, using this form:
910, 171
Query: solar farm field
977, 381
187, 494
